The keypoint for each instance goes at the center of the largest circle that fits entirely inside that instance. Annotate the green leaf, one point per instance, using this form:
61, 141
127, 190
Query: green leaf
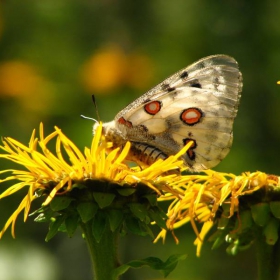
54, 227
99, 224
60, 202
155, 263
87, 210
71, 224
103, 199
115, 219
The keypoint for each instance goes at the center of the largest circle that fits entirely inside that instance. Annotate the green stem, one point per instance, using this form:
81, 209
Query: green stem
268, 257
103, 253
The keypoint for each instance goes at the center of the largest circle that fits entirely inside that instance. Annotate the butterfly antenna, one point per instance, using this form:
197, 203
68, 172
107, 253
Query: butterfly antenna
96, 110
88, 118
95, 106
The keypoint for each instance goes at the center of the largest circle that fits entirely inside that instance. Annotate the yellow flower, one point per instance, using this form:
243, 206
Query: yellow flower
51, 175
216, 198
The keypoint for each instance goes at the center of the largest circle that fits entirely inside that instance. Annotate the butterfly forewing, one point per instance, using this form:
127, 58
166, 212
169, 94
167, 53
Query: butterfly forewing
198, 104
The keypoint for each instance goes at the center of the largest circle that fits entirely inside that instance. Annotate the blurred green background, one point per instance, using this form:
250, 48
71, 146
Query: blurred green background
54, 54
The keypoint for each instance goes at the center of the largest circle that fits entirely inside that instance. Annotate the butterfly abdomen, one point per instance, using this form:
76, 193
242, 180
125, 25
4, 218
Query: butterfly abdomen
144, 153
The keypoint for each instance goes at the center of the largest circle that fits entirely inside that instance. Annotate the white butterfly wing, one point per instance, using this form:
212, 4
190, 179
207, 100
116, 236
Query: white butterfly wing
198, 103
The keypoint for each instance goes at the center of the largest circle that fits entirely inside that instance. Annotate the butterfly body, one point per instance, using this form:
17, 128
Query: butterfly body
198, 103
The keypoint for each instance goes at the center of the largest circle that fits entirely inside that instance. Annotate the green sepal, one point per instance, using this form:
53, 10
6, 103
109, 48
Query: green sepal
245, 220
233, 248
223, 222
45, 214
139, 211
40, 210
275, 208
157, 215
126, 191
261, 213
103, 199
99, 223
226, 209
146, 228
245, 246
138, 227
231, 237
155, 263
218, 238
59, 203
79, 186
87, 210
115, 219
152, 198
41, 218
270, 231
71, 224
54, 226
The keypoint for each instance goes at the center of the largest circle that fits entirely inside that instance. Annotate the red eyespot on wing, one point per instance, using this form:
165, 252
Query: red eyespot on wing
123, 121
191, 116
153, 107
190, 152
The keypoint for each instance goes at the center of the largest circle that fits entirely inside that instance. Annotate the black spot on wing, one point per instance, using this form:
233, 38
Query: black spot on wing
167, 87
196, 85
184, 75
170, 89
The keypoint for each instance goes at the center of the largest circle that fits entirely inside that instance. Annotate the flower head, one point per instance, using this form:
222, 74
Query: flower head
224, 200
82, 176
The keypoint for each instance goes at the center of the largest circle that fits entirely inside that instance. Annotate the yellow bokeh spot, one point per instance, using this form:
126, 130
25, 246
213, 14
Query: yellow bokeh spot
21, 81
18, 78
104, 70
111, 68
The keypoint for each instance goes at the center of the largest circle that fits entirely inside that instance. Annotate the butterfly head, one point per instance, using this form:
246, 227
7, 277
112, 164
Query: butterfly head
110, 132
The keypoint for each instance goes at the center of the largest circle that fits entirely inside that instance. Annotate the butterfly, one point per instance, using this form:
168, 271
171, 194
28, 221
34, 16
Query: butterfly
198, 103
